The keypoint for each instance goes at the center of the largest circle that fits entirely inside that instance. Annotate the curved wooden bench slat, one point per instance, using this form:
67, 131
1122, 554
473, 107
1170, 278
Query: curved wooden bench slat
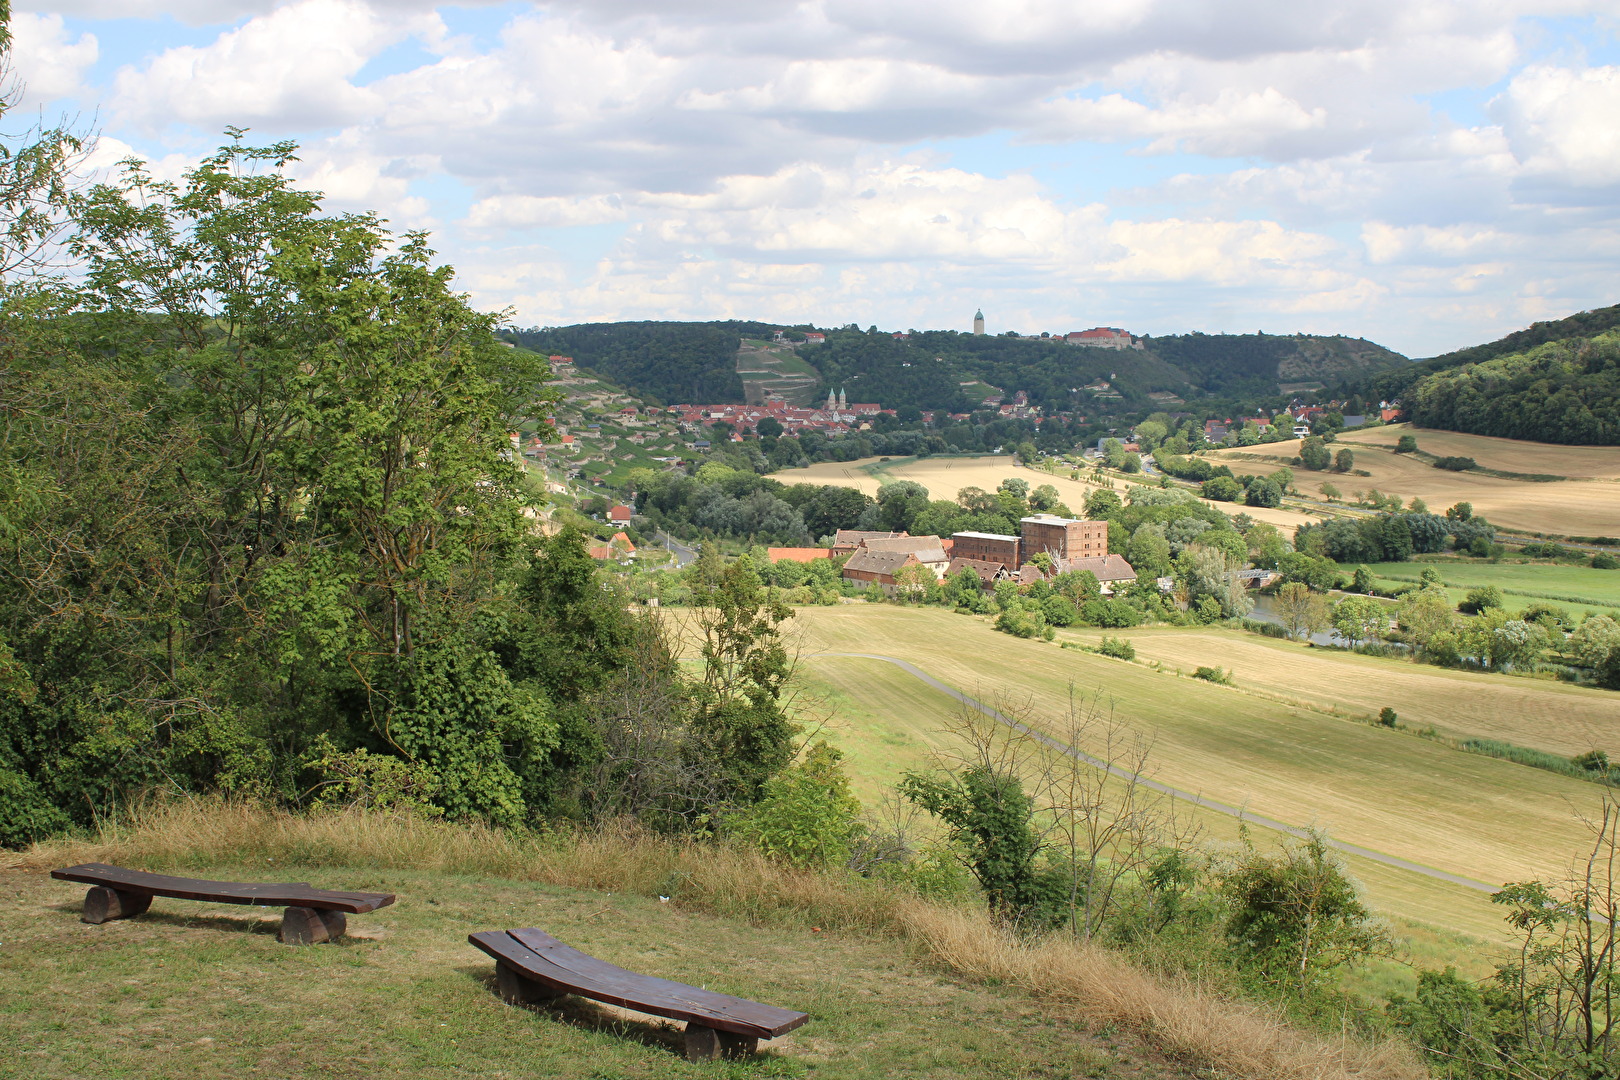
541, 957
293, 894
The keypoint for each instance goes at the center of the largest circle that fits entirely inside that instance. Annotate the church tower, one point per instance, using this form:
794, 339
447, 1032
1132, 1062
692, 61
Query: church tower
842, 403
978, 321
832, 400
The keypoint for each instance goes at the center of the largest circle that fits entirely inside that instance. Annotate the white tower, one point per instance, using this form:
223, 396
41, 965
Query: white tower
832, 400
978, 321
842, 402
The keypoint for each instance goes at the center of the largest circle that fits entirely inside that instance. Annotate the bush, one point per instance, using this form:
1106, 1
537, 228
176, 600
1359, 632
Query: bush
808, 817
1387, 717
1024, 624
1477, 600
1119, 648
1455, 464
1604, 561
1406, 444
1214, 675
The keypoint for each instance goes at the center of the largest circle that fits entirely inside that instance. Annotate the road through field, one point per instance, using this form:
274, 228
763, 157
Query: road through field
1177, 793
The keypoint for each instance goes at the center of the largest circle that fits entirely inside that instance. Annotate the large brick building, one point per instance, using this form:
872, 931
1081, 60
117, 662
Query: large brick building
987, 547
1062, 538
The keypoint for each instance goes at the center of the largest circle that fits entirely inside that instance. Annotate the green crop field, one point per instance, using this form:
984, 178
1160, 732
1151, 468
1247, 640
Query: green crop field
1385, 790
202, 991
1558, 583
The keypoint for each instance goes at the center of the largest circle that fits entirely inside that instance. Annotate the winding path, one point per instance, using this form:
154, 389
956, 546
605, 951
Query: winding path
1177, 793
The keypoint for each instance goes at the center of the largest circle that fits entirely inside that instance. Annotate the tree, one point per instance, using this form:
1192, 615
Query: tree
1295, 912
1344, 461
1362, 581
1422, 615
1113, 453
915, 584
1313, 454
741, 730
1302, 611
1211, 572
317, 500
1561, 983
769, 427
1406, 444
1480, 599
1263, 491
1359, 619
1149, 551
1102, 505
1221, 489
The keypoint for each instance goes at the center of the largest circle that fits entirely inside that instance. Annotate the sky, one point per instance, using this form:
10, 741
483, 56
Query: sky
1428, 174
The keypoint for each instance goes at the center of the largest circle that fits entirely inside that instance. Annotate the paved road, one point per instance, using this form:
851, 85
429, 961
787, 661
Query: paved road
1195, 799
683, 554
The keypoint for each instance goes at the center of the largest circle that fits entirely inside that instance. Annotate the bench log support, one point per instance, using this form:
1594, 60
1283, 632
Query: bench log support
311, 926
102, 904
706, 1044
518, 989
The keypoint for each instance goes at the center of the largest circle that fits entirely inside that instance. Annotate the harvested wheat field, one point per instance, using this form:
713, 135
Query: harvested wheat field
1542, 714
1507, 455
1384, 790
1563, 507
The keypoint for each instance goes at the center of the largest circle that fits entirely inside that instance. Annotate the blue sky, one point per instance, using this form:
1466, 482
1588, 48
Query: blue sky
1424, 173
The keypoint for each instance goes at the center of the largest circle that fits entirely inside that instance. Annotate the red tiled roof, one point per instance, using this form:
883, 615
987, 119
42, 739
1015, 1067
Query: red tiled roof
797, 554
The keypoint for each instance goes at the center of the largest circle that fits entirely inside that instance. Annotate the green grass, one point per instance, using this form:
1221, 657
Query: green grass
204, 991
1529, 582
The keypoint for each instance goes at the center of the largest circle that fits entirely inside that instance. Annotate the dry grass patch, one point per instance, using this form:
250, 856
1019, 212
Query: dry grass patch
415, 999
1506, 455
1564, 508
1383, 790
1553, 716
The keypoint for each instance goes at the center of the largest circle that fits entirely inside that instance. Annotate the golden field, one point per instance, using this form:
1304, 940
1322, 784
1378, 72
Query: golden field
1254, 745
1588, 506
944, 477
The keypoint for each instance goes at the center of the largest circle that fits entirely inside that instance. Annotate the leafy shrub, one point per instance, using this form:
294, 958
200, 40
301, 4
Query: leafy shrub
1024, 624
1604, 561
1387, 716
1214, 675
808, 817
1406, 444
1119, 648
1455, 464
1478, 599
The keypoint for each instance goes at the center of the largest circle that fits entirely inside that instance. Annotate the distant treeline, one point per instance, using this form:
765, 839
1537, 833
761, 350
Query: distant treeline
942, 370
1553, 382
662, 362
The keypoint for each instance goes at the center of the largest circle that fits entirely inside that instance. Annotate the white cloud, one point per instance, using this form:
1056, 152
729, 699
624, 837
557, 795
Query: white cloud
1562, 122
47, 60
281, 71
554, 211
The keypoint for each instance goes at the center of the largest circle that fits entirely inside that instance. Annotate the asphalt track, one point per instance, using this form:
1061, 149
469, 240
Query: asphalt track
1195, 799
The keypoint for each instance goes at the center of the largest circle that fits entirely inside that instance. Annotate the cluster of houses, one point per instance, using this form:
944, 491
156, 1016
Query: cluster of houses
878, 558
838, 416
1298, 417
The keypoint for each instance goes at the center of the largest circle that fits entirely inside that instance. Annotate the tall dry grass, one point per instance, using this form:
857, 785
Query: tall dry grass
1234, 1038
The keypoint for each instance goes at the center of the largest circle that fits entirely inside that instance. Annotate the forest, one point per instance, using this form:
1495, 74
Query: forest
1561, 392
664, 363
943, 370
265, 536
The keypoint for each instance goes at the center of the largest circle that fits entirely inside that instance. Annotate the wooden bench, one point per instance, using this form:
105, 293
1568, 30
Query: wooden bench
313, 915
533, 966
